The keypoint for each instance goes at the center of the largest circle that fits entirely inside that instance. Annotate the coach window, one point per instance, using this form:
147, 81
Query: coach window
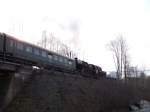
56, 58
29, 49
36, 51
11, 43
65, 60
43, 53
70, 63
61, 59
19, 46
50, 56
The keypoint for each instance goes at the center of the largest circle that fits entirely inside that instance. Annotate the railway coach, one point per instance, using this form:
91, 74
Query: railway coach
17, 51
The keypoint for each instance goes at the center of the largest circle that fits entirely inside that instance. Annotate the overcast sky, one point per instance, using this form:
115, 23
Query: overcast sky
92, 23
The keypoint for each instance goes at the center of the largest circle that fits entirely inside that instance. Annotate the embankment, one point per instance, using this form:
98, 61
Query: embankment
57, 92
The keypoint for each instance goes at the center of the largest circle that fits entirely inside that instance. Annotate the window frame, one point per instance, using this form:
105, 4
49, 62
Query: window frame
43, 54
50, 56
20, 46
55, 57
60, 59
70, 62
29, 49
12, 43
36, 51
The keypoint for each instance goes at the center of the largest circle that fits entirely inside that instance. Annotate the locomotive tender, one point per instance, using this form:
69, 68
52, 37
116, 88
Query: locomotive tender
17, 51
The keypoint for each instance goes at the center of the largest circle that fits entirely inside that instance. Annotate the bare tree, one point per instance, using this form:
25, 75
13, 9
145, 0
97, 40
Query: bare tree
44, 39
52, 43
119, 50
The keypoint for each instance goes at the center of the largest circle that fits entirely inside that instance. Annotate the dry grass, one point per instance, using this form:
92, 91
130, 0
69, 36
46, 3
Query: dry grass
51, 92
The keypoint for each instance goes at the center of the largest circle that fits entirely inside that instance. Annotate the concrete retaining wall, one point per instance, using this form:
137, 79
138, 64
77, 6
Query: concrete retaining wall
11, 83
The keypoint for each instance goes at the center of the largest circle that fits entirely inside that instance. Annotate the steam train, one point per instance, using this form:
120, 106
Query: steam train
17, 51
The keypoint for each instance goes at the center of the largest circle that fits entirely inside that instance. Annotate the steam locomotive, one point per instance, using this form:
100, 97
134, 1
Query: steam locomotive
17, 51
